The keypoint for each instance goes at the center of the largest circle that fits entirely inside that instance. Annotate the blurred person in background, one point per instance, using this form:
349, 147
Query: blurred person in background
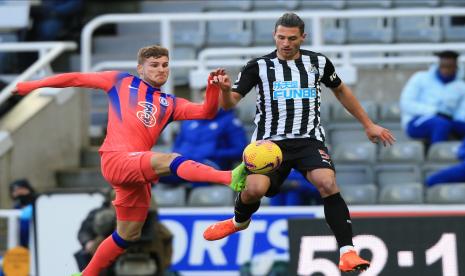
100, 222
218, 142
288, 83
23, 196
452, 174
138, 113
430, 101
55, 20
296, 191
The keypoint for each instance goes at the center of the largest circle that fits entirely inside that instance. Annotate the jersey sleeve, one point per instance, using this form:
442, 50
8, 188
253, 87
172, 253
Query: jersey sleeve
187, 110
330, 78
247, 79
99, 80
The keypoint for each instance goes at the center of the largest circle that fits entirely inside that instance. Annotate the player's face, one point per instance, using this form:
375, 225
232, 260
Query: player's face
154, 70
288, 41
447, 67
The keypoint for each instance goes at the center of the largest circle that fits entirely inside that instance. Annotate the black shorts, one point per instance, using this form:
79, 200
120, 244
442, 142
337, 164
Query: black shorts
302, 154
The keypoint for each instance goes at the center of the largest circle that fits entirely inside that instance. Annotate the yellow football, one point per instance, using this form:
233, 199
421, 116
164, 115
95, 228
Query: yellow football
262, 156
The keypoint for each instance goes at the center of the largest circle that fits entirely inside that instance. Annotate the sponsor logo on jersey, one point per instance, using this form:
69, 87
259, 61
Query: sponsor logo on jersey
291, 90
147, 114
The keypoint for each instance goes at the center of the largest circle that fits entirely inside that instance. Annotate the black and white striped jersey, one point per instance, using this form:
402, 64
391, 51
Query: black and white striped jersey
288, 94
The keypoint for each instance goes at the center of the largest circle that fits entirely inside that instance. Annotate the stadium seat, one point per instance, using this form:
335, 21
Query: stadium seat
186, 33
260, 5
211, 196
405, 193
415, 3
132, 264
341, 133
362, 4
334, 30
340, 114
333, 4
453, 193
417, 29
360, 194
453, 28
443, 152
263, 32
392, 174
430, 168
169, 196
453, 3
359, 152
370, 30
229, 32
227, 5
411, 151
389, 112
354, 174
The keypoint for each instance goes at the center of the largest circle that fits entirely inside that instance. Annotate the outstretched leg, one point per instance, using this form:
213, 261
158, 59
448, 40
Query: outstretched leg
193, 171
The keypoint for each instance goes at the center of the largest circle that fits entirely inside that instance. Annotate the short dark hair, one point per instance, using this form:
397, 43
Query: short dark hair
290, 19
447, 54
155, 51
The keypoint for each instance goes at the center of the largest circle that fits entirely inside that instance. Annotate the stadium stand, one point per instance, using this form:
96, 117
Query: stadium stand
405, 193
211, 196
449, 193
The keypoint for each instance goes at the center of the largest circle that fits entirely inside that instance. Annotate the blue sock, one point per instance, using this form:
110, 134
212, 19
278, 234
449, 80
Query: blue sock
120, 241
176, 163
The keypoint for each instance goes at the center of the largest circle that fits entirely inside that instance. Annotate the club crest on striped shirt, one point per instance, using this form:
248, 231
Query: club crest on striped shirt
312, 69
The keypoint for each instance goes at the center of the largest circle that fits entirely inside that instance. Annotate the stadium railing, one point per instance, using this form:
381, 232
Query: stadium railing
48, 51
165, 20
12, 217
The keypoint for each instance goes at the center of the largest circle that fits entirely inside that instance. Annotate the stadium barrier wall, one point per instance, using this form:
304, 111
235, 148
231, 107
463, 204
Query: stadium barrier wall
267, 236
46, 128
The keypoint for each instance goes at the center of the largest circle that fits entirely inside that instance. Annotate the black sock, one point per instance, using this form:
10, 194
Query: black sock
338, 218
243, 212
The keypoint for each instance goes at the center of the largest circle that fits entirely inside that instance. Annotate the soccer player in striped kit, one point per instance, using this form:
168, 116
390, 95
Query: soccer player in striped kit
288, 84
138, 113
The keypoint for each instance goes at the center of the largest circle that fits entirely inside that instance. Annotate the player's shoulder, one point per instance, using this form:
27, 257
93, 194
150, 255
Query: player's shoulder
312, 53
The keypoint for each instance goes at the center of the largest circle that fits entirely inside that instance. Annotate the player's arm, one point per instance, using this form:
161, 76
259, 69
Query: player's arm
345, 96
246, 80
99, 80
187, 110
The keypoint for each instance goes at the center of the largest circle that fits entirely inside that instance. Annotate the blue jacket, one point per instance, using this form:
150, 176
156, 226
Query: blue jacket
424, 94
220, 140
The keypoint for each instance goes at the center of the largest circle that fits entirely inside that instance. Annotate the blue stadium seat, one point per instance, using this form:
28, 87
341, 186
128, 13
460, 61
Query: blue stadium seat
389, 112
333, 4
361, 4
334, 30
227, 5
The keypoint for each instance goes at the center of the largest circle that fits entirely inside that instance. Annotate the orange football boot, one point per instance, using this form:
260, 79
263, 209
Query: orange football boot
222, 229
350, 262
